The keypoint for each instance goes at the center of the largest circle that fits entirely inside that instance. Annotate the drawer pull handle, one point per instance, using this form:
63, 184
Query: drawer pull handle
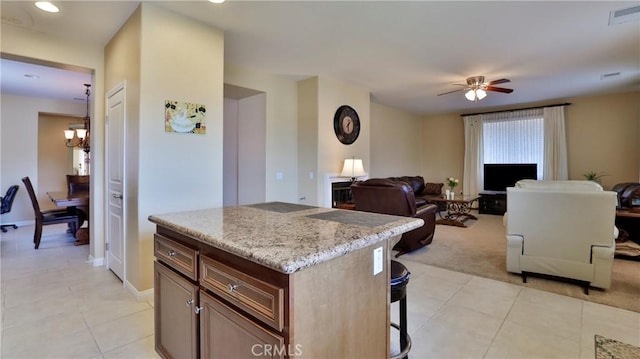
232, 287
172, 253
189, 302
197, 310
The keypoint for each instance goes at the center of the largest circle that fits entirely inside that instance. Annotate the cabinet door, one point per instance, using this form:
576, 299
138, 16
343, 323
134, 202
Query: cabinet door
225, 333
176, 323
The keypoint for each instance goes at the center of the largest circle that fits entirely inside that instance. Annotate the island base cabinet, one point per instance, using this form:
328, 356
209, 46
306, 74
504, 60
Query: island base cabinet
227, 334
176, 320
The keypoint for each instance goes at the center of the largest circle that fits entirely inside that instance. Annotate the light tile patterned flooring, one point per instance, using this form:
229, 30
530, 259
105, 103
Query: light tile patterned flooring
54, 305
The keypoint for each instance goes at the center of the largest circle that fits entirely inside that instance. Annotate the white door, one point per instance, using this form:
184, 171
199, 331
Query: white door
115, 180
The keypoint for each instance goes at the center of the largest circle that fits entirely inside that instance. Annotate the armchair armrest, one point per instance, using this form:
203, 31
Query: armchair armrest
428, 208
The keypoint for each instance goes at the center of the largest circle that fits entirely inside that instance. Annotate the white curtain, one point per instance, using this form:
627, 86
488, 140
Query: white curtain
472, 180
555, 144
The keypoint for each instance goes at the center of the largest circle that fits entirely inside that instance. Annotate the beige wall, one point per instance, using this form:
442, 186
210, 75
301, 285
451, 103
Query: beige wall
396, 142
319, 98
166, 172
19, 138
53, 156
603, 135
308, 140
122, 66
281, 128
43, 47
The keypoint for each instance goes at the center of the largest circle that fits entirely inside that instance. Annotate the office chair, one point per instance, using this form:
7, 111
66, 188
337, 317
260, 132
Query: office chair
68, 215
7, 202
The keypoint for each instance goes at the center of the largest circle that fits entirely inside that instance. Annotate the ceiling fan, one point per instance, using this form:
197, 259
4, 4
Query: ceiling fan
476, 89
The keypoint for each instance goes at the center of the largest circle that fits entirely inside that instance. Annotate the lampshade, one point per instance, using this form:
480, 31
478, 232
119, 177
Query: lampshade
470, 95
475, 94
82, 132
68, 134
353, 168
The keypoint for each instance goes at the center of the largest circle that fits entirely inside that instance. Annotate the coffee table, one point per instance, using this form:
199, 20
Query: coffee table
458, 209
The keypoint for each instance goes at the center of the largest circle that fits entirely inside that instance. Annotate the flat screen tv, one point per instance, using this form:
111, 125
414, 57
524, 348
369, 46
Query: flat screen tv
497, 177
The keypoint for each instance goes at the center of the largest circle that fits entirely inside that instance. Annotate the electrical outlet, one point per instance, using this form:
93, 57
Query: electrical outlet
378, 263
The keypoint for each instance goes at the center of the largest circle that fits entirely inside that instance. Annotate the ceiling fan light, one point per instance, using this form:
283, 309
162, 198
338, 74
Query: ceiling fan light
481, 94
471, 95
46, 6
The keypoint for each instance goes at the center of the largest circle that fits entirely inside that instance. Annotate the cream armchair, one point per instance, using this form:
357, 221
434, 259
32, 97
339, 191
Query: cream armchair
563, 229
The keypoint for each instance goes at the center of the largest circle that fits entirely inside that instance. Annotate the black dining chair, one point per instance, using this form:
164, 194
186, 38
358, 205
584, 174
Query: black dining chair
68, 215
7, 202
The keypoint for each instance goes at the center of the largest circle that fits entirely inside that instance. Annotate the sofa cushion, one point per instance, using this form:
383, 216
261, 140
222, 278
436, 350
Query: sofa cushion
433, 188
415, 182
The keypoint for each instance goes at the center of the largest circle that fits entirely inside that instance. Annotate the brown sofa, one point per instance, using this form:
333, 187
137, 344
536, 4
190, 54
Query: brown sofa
388, 196
424, 192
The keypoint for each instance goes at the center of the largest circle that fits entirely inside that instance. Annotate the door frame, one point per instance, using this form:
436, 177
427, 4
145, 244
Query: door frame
122, 86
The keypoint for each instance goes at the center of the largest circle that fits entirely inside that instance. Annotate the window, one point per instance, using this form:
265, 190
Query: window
514, 137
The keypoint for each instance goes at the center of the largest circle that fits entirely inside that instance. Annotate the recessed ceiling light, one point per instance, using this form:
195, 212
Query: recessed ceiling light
216, 1
46, 6
32, 76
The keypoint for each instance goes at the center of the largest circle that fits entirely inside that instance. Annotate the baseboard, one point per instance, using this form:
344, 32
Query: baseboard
96, 262
145, 295
23, 223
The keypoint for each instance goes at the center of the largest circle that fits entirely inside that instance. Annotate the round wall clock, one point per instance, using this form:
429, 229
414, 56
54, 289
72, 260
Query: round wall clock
346, 124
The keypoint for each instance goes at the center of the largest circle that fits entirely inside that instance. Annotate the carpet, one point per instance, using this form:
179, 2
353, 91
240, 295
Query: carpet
612, 349
480, 250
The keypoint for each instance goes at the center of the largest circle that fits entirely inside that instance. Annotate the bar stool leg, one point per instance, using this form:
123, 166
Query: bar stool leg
403, 325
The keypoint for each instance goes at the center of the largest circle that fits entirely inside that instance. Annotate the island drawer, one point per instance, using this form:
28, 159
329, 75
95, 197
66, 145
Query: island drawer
177, 256
262, 300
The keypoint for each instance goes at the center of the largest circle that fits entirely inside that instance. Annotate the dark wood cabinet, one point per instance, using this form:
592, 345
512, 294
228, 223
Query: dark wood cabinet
176, 320
212, 304
492, 203
225, 333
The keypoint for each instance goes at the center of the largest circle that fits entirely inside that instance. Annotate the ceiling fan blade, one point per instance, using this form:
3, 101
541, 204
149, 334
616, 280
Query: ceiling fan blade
500, 81
446, 93
499, 89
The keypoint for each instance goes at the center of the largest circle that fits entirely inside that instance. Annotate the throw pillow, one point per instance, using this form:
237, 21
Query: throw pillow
433, 188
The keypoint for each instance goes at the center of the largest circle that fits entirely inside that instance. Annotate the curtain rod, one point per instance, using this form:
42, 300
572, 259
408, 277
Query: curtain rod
518, 109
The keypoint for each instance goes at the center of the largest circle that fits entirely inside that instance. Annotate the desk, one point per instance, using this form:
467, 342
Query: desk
457, 210
75, 199
629, 220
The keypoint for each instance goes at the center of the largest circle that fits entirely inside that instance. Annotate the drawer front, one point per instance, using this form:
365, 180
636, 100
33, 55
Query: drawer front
177, 256
262, 300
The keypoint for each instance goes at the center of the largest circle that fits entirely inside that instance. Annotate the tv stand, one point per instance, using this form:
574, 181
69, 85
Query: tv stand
492, 202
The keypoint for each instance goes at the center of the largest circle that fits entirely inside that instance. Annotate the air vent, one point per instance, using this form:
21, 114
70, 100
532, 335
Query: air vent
609, 75
624, 15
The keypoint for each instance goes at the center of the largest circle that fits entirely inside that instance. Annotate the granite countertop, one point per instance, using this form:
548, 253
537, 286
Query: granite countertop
284, 236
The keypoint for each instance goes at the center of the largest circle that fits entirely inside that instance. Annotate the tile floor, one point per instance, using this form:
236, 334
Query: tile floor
54, 305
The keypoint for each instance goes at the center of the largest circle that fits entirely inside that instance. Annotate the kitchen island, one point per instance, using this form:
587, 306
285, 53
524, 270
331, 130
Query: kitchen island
274, 280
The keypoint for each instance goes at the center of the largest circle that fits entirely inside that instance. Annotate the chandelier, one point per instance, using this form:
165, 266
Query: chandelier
80, 137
